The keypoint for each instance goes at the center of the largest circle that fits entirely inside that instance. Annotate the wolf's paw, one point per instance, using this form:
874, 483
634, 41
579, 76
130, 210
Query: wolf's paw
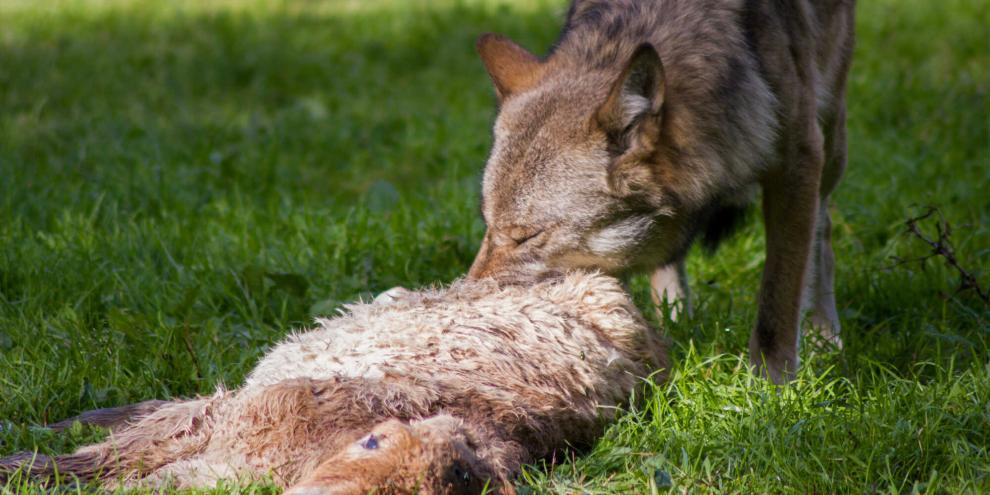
825, 331
778, 367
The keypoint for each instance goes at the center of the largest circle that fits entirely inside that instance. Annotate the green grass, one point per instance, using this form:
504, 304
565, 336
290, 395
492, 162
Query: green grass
181, 183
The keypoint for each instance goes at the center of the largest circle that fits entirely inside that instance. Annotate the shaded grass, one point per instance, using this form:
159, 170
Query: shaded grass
182, 183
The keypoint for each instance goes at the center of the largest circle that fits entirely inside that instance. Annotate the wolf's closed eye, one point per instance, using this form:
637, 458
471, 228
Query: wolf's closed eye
523, 235
521, 239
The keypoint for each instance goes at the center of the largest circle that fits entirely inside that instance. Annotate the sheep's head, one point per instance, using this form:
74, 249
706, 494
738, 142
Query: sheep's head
432, 456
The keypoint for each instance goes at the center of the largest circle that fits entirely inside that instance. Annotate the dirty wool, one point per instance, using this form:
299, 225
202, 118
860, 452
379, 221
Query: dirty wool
446, 390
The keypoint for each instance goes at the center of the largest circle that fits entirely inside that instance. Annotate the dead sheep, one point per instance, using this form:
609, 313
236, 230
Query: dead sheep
437, 391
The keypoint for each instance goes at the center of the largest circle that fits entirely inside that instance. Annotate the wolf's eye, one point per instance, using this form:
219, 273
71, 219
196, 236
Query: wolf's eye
370, 443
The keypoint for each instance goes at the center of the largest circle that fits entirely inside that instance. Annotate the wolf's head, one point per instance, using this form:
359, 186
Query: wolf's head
576, 176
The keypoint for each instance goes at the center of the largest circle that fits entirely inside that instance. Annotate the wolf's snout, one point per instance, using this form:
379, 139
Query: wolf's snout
480, 265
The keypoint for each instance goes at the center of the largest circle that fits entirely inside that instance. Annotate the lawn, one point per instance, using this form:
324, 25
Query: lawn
181, 183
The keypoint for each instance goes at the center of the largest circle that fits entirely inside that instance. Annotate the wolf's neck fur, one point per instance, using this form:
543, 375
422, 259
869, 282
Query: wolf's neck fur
720, 116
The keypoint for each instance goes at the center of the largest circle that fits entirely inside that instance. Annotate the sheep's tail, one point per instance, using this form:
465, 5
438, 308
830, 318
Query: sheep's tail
145, 437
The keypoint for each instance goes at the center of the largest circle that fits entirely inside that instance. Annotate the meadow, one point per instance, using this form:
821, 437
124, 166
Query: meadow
182, 183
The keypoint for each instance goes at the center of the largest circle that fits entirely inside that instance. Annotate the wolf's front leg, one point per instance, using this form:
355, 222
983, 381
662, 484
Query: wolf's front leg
820, 291
790, 208
820, 296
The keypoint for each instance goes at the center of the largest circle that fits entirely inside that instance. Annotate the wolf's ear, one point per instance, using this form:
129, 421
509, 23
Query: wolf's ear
635, 98
511, 67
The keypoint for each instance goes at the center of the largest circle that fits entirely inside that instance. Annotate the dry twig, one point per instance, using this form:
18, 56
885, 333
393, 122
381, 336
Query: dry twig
941, 247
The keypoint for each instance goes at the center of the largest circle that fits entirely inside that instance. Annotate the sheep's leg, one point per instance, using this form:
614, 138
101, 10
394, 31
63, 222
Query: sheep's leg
170, 432
200, 471
24, 462
112, 417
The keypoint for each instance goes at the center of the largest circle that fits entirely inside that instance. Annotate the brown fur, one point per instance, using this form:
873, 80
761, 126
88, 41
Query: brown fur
651, 123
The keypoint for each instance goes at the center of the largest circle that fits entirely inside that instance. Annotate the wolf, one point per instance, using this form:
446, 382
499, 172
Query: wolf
433, 392
652, 124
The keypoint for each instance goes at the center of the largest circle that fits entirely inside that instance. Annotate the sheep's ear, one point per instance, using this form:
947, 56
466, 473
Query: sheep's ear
511, 67
635, 100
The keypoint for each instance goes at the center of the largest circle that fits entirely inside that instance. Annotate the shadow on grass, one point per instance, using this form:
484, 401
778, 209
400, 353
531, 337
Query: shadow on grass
316, 105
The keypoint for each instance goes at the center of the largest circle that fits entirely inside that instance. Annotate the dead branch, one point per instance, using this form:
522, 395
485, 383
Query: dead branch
941, 247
